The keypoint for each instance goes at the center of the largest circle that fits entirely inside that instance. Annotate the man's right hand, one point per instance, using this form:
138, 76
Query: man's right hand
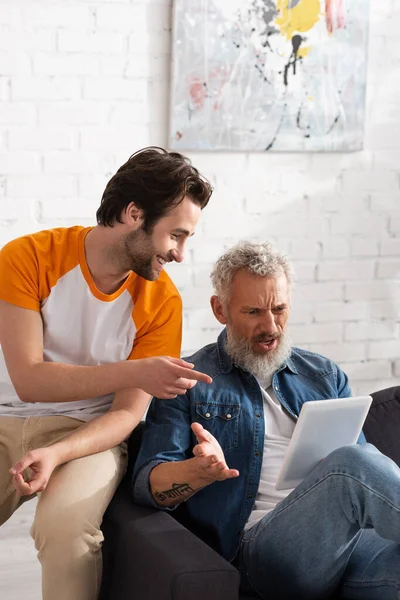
165, 377
175, 481
210, 464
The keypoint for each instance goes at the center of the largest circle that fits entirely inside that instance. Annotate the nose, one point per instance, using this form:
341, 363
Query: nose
269, 322
178, 255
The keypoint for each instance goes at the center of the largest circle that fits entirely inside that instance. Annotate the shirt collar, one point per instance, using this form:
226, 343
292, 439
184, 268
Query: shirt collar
225, 361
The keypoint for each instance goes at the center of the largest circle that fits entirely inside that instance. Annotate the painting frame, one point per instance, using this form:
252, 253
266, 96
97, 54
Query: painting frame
249, 88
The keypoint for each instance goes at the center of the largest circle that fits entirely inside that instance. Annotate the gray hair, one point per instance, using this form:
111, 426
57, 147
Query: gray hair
260, 259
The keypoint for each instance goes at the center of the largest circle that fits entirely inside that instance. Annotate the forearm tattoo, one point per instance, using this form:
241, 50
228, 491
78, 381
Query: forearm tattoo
181, 491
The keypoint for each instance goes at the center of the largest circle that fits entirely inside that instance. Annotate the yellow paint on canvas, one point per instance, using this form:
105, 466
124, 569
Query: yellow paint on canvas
302, 52
299, 19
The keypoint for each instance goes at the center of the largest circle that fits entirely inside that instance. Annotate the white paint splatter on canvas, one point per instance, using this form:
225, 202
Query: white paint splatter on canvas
269, 74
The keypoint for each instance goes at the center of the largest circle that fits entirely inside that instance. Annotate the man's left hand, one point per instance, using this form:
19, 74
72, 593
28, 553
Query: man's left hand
41, 463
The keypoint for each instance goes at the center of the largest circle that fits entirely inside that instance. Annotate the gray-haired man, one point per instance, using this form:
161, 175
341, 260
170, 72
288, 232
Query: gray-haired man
220, 448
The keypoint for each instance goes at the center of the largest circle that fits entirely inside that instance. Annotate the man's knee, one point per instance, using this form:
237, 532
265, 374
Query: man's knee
66, 529
353, 457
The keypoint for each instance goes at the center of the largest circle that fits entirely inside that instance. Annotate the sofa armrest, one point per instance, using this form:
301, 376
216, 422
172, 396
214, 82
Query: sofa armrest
148, 554
383, 422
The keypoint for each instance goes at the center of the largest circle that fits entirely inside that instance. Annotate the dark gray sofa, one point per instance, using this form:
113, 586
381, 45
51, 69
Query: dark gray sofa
148, 555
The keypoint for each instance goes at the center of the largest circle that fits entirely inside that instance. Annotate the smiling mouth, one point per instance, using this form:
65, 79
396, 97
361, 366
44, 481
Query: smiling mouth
161, 260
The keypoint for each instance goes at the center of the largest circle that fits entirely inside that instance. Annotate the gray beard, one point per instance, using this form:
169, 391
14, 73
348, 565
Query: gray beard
262, 366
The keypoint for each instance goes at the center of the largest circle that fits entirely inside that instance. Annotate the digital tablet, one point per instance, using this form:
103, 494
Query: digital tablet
323, 426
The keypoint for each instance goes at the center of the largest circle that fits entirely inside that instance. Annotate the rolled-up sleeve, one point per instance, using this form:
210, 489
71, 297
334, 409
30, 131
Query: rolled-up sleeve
167, 437
141, 485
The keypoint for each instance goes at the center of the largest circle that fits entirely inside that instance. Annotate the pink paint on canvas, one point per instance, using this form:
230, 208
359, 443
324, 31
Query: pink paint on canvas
219, 77
197, 92
335, 15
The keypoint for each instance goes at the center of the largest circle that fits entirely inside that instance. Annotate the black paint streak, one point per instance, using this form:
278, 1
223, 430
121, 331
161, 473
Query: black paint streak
306, 128
333, 124
298, 119
264, 78
292, 62
283, 115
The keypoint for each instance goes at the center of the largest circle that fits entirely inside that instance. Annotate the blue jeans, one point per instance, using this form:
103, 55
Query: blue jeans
338, 531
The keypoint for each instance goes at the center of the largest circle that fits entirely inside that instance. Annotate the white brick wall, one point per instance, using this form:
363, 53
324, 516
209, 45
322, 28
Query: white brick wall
83, 84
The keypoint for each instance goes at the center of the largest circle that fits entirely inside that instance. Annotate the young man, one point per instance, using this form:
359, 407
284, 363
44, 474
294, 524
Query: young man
90, 328
340, 528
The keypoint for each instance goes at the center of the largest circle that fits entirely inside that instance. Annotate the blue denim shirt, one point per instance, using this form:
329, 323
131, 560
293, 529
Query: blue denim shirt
231, 408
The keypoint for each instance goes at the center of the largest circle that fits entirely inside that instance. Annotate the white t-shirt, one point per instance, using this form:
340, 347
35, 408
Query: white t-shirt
279, 427
47, 272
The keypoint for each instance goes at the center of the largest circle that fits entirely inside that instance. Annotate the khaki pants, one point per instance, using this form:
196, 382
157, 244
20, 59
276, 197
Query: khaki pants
66, 528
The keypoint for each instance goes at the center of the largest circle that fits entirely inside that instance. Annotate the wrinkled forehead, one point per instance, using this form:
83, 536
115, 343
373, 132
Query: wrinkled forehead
248, 288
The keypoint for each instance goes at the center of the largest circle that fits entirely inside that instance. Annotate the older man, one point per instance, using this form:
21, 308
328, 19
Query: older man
219, 448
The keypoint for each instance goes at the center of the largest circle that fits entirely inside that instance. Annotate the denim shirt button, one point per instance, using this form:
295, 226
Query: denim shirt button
258, 415
249, 495
276, 387
257, 453
228, 416
208, 415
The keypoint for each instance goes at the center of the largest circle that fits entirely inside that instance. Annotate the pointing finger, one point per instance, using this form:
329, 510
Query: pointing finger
198, 376
193, 375
181, 362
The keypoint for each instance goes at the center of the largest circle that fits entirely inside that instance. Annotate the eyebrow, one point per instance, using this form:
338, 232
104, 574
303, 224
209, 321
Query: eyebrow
183, 231
280, 305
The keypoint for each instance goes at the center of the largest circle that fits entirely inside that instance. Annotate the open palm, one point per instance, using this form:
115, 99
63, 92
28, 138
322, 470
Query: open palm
211, 461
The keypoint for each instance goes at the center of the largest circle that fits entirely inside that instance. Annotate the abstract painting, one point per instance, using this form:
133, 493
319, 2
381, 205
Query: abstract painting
265, 75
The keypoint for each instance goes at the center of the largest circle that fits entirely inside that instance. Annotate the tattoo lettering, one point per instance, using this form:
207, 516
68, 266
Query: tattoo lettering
159, 496
176, 491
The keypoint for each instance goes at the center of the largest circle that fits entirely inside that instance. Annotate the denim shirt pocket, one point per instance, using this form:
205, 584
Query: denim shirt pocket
221, 420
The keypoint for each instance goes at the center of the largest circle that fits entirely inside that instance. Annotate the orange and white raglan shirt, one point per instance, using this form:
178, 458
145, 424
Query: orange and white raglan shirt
47, 272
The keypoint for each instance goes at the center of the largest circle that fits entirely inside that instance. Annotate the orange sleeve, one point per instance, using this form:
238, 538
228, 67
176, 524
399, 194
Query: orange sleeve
164, 335
19, 274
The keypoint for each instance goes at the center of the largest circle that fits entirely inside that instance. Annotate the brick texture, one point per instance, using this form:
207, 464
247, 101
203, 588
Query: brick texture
83, 84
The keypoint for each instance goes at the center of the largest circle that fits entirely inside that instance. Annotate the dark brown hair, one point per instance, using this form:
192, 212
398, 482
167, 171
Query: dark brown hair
156, 181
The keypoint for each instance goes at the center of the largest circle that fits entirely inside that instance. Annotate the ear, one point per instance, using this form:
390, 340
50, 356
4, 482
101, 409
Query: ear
218, 310
133, 216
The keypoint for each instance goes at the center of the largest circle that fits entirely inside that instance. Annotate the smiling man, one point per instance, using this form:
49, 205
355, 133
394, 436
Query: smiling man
217, 450
90, 329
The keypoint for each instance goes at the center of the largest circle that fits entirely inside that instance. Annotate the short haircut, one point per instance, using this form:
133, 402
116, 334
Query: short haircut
260, 259
156, 181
